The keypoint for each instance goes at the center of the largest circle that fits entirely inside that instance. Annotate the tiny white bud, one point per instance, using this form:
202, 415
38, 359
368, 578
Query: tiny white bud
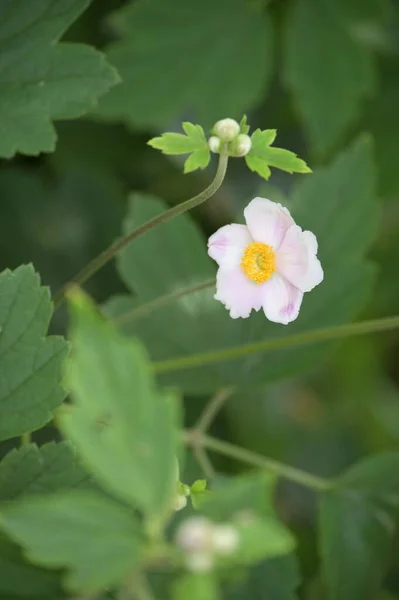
242, 144
225, 539
199, 562
214, 143
180, 502
227, 129
195, 535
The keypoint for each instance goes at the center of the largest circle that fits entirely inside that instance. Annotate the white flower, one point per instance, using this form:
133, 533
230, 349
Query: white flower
195, 535
214, 143
268, 263
225, 539
226, 129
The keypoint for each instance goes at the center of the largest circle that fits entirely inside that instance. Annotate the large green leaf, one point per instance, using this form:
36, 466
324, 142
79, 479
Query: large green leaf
337, 203
210, 57
30, 365
95, 538
41, 80
327, 69
123, 427
33, 470
358, 519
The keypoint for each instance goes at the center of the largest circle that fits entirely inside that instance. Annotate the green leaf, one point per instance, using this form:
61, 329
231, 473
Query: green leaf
329, 75
31, 386
19, 579
123, 427
262, 156
248, 502
33, 470
193, 143
196, 586
364, 502
276, 578
40, 80
337, 203
213, 58
244, 127
96, 539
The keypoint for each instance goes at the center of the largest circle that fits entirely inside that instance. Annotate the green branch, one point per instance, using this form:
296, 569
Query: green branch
102, 259
290, 341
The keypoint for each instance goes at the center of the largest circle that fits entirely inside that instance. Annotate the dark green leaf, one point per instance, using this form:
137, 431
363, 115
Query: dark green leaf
95, 538
329, 75
33, 470
41, 80
358, 518
123, 427
213, 57
30, 387
196, 586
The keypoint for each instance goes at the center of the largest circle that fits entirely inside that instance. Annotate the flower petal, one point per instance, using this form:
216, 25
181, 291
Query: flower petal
296, 259
281, 300
227, 244
268, 221
239, 294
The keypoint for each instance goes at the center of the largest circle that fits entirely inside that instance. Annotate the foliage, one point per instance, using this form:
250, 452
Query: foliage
151, 446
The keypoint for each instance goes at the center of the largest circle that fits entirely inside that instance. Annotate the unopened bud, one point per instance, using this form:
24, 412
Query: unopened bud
180, 502
195, 535
199, 562
225, 539
214, 143
241, 145
226, 129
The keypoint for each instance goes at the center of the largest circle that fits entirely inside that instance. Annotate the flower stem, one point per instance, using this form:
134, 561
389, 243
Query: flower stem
102, 259
318, 484
148, 307
212, 408
299, 339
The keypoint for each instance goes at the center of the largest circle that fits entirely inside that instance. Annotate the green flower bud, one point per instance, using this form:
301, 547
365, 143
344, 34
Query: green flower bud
226, 129
214, 143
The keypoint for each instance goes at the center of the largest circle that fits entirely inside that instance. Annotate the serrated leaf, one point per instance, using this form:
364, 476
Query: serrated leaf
31, 365
187, 50
33, 470
125, 430
98, 540
337, 203
40, 80
262, 156
365, 502
328, 104
193, 143
244, 127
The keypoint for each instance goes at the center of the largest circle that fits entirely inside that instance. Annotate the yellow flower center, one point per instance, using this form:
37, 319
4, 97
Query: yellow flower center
258, 262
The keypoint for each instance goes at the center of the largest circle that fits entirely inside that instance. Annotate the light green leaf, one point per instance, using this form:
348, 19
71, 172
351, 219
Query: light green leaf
212, 58
196, 586
193, 143
40, 80
96, 539
276, 578
337, 203
329, 75
32, 470
364, 502
123, 427
244, 127
262, 156
30, 387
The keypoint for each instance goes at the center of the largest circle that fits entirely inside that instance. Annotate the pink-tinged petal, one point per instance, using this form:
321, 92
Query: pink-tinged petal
296, 259
281, 300
267, 221
227, 244
239, 294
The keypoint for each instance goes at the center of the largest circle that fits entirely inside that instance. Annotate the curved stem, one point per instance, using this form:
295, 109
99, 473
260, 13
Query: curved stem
102, 259
290, 341
318, 484
148, 307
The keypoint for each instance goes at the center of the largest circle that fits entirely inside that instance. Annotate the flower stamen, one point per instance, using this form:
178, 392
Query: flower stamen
258, 262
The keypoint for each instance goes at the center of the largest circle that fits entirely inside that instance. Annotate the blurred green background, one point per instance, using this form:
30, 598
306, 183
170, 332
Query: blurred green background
320, 71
